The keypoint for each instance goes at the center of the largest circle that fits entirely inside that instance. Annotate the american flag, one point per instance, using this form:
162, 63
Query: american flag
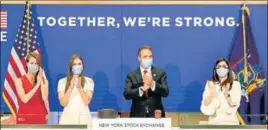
3, 17
17, 60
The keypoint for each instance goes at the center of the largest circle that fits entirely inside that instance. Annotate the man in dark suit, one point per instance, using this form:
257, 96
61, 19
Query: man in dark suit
146, 86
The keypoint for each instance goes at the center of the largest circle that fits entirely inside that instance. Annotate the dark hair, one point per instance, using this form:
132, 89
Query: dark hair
144, 47
229, 79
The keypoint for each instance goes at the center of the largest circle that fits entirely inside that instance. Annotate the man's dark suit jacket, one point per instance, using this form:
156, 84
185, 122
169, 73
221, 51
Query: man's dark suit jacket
145, 106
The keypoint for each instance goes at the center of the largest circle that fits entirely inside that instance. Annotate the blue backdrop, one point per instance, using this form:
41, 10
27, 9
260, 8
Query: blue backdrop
187, 54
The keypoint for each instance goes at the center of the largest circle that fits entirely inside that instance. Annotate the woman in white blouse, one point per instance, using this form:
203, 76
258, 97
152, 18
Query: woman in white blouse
222, 95
75, 93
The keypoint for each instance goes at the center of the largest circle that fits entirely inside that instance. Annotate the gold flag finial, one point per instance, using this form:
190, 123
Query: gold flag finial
245, 7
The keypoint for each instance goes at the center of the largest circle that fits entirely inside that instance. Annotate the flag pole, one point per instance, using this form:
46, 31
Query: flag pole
245, 10
28, 26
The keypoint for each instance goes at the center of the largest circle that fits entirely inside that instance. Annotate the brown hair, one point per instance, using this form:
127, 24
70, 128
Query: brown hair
229, 79
38, 60
34, 55
144, 47
70, 72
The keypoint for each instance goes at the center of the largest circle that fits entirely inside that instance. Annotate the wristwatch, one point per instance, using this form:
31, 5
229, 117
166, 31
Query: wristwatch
227, 95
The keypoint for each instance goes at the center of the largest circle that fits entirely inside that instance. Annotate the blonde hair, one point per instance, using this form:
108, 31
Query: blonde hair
70, 72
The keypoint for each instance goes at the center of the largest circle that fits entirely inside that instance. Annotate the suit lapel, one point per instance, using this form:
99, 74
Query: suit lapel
153, 70
138, 75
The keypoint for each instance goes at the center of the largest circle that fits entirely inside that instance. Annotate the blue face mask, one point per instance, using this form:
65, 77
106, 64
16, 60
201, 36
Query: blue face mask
77, 69
147, 63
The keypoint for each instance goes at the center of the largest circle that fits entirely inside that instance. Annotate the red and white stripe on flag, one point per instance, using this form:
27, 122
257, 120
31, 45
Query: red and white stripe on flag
3, 19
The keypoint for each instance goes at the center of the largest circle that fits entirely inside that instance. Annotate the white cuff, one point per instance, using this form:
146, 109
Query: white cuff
153, 88
211, 108
140, 91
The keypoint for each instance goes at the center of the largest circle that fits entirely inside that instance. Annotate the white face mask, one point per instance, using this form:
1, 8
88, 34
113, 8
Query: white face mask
32, 68
222, 72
